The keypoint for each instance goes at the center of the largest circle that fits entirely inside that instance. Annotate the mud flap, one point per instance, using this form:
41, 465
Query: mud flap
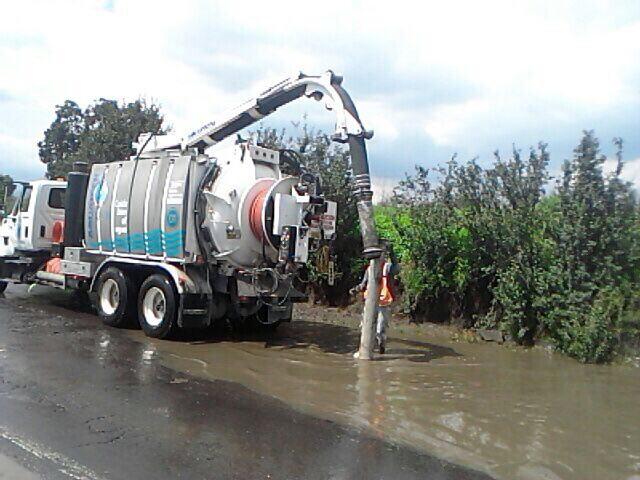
280, 313
194, 311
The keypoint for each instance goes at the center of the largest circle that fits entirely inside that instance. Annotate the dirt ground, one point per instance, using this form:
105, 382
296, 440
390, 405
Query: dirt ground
400, 326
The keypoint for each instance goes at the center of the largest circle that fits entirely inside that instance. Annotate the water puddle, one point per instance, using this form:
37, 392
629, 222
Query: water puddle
514, 413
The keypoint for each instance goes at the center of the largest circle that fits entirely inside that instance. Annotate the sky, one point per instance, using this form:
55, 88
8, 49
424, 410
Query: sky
431, 78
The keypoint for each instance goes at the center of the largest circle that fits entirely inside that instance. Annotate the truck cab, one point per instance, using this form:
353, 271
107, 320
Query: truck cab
31, 212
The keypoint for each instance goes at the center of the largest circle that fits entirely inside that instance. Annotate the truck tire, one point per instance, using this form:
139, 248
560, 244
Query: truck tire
115, 301
3, 286
158, 307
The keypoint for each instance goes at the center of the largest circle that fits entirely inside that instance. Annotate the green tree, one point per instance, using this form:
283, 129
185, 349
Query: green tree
596, 267
5, 180
522, 257
110, 129
102, 133
62, 139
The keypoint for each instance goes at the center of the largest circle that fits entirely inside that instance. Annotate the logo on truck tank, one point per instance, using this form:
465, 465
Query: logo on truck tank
172, 217
100, 193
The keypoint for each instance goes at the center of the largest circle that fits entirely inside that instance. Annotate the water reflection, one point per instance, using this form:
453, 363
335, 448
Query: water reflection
103, 343
146, 368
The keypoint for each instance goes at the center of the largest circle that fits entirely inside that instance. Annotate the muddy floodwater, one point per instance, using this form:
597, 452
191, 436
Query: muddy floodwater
514, 413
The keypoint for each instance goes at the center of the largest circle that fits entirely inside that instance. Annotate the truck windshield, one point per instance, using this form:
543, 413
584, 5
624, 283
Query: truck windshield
12, 199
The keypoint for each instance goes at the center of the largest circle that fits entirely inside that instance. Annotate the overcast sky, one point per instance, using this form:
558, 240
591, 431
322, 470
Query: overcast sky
430, 78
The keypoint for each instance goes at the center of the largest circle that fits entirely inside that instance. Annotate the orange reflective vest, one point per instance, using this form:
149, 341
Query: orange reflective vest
386, 295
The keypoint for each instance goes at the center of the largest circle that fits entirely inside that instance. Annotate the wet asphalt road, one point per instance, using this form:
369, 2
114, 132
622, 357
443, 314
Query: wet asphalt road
80, 400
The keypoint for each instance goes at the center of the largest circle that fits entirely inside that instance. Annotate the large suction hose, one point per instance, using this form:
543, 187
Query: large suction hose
371, 247
371, 250
364, 194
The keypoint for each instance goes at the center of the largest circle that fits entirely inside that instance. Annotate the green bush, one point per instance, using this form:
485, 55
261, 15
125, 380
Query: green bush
486, 247
587, 328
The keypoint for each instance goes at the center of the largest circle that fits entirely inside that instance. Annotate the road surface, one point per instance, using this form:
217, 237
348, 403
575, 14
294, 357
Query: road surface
83, 401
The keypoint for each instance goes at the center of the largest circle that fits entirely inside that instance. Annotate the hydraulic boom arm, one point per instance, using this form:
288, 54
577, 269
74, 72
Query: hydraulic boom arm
327, 87
349, 129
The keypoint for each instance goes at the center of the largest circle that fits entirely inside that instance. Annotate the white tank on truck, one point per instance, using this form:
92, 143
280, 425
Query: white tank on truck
190, 231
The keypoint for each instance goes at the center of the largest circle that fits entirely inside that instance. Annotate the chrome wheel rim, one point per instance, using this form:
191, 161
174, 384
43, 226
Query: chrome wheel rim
154, 306
109, 296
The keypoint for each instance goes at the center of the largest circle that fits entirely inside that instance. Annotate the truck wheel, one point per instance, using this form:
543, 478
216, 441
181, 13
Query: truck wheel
3, 286
115, 304
157, 307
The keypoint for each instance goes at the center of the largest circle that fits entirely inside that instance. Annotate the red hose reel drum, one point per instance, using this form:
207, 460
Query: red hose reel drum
256, 221
258, 214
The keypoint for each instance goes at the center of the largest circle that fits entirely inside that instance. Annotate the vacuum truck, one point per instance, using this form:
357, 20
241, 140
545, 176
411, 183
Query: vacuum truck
188, 231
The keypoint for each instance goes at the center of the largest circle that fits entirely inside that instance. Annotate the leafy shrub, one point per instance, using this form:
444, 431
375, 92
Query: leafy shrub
486, 247
596, 257
584, 328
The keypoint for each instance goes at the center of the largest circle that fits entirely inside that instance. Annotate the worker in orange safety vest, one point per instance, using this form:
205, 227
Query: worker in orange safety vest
389, 268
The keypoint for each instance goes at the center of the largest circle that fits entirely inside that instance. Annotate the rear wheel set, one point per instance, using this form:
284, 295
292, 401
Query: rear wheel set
158, 307
154, 306
115, 300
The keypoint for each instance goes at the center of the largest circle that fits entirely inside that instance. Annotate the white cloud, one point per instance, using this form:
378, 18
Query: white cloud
382, 188
14, 142
384, 121
630, 170
447, 123
431, 76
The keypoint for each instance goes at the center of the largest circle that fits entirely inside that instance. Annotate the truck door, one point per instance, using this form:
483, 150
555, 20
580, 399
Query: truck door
10, 229
23, 231
47, 210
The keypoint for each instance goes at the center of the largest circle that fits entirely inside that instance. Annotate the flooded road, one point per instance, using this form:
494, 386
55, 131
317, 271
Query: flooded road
261, 404
513, 413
